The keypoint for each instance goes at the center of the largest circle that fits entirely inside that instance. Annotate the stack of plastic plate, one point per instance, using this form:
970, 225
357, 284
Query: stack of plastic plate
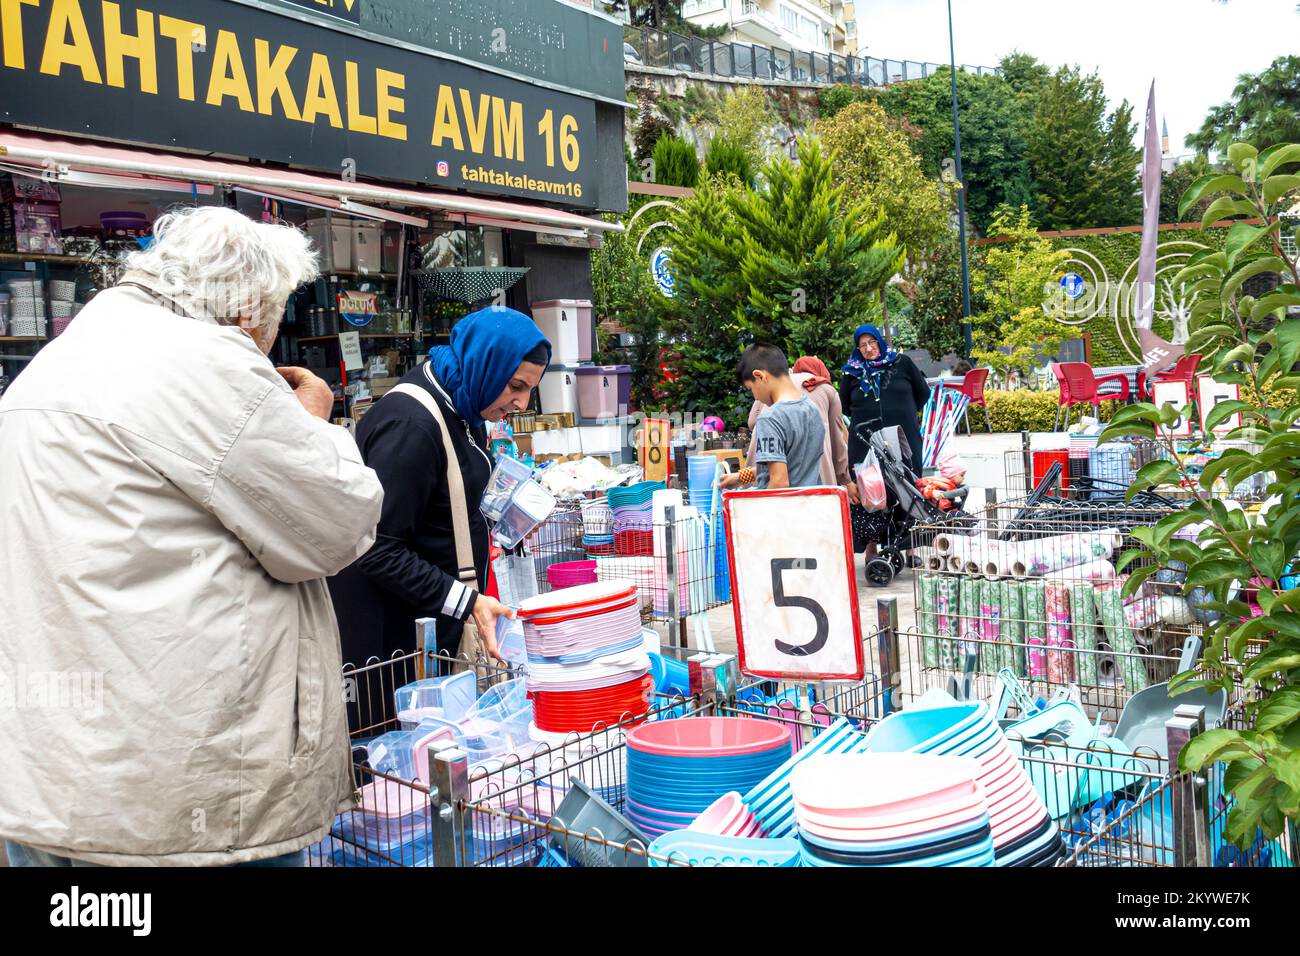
587, 664
891, 810
1023, 831
727, 816
677, 769
630, 506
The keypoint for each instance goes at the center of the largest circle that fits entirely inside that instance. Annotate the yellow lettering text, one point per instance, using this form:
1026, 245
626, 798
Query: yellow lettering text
186, 34
445, 122
321, 97
476, 123
228, 77
11, 22
273, 79
508, 129
118, 46
358, 121
65, 16
386, 104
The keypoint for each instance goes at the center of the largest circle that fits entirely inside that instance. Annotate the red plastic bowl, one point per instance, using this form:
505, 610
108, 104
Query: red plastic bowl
709, 737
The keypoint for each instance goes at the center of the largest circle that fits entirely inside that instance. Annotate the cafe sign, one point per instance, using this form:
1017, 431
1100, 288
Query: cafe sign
218, 76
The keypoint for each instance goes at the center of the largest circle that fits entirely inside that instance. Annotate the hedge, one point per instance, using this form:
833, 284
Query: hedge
1029, 410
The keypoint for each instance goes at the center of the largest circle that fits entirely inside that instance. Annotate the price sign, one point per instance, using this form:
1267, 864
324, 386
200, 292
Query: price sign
655, 449
1208, 394
1175, 394
794, 595
350, 343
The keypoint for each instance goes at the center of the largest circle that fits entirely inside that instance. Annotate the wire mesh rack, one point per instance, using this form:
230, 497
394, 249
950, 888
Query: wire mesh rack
679, 565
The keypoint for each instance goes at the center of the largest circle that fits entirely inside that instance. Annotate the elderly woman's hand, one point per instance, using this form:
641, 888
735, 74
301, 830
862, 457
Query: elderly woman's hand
312, 392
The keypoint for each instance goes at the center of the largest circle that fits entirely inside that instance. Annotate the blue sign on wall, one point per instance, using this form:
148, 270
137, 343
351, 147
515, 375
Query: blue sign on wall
1073, 285
662, 271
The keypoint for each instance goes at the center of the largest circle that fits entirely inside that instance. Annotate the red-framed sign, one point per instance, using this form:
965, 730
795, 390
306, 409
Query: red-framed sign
794, 594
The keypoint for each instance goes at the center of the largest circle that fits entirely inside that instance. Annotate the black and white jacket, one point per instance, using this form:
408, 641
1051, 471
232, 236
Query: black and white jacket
410, 572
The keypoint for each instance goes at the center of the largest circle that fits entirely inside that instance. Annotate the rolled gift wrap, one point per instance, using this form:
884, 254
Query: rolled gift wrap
970, 629
1065, 551
929, 585
947, 621
934, 562
1035, 601
1094, 572
1060, 661
991, 632
1013, 626
1174, 609
1132, 670
1142, 613
1083, 623
955, 564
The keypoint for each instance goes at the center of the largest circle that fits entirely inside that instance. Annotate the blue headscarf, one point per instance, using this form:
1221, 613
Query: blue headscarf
868, 372
485, 351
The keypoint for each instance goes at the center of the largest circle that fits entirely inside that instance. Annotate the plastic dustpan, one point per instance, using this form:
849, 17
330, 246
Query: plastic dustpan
582, 812
1066, 721
1142, 722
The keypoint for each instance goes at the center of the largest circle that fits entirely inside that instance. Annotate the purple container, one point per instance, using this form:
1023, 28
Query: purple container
604, 390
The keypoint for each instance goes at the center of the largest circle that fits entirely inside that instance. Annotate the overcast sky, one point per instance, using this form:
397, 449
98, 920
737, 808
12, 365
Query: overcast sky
1194, 49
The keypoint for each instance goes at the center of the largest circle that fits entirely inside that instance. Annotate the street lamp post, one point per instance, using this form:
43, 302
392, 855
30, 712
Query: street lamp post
961, 194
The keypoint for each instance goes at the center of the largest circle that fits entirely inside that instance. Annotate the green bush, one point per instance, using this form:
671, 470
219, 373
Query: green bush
724, 156
1026, 410
649, 131
832, 99
675, 162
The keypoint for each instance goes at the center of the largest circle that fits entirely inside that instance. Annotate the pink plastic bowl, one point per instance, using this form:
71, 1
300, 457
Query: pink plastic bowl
708, 737
722, 815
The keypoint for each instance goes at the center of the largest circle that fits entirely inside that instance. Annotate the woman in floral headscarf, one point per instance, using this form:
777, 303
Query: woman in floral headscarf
881, 387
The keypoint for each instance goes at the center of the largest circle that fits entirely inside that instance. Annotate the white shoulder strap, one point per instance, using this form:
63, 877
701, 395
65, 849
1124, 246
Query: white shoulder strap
455, 484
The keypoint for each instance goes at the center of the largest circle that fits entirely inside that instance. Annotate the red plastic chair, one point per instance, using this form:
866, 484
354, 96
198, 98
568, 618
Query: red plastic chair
1078, 384
1184, 370
972, 386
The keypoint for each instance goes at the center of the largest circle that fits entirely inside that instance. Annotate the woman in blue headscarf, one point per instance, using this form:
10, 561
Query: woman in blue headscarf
881, 387
495, 359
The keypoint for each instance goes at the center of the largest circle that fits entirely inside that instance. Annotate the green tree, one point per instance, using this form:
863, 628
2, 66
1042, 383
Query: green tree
726, 157
625, 293
811, 263
1254, 343
675, 162
876, 168
747, 118
1023, 73
937, 308
1176, 182
1264, 110
993, 120
1014, 281
1083, 160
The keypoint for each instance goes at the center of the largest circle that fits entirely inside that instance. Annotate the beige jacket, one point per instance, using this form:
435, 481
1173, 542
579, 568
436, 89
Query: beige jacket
170, 688
835, 449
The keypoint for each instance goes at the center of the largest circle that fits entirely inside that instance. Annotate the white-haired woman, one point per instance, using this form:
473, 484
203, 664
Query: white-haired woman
170, 504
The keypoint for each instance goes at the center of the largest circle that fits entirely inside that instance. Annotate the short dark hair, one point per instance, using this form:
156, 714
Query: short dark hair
768, 358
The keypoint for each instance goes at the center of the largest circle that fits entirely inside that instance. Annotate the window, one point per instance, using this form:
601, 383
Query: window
789, 20
850, 28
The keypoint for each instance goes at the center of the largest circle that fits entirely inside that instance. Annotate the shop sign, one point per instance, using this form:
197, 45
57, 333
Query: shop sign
349, 10
224, 77
794, 596
1210, 393
661, 270
1175, 394
350, 346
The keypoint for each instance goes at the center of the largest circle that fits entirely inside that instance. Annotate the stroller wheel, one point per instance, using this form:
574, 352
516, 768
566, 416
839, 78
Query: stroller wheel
879, 572
895, 558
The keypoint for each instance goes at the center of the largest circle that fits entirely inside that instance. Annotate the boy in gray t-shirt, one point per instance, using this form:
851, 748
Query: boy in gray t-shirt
788, 435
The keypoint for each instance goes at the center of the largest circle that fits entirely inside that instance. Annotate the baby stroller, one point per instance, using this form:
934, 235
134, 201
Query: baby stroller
907, 507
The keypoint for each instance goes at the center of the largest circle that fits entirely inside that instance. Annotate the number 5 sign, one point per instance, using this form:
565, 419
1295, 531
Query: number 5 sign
793, 590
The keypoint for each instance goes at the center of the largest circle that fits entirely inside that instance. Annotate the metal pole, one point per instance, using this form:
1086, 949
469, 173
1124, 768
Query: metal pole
961, 194
449, 770
887, 648
676, 625
1191, 837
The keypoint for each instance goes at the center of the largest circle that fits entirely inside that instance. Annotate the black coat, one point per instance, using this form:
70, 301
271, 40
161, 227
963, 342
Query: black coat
903, 393
410, 572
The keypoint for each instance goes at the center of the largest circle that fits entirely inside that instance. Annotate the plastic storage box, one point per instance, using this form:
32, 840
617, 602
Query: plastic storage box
567, 324
333, 237
367, 246
604, 390
447, 697
559, 390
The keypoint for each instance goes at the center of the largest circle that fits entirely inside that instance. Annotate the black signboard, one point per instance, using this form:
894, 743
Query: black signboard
349, 10
213, 75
